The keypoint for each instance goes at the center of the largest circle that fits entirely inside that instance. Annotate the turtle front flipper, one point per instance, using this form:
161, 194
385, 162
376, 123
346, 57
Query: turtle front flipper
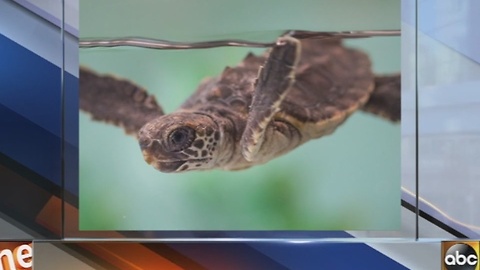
274, 80
116, 101
385, 100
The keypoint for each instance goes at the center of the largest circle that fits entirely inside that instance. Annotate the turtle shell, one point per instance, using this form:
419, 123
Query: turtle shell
331, 82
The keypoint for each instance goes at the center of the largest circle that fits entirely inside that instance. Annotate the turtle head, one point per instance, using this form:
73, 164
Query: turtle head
180, 142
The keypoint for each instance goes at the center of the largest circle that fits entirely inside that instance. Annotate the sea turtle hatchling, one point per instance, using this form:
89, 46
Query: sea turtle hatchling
251, 113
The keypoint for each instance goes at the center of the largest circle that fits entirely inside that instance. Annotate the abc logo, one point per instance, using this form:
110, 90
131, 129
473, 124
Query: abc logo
460, 257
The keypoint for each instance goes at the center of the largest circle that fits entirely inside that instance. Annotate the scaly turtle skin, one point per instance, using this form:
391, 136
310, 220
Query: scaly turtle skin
251, 113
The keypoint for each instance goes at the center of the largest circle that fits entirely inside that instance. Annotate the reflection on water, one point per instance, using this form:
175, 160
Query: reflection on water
161, 44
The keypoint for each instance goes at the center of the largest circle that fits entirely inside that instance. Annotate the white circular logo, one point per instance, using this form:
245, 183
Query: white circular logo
461, 257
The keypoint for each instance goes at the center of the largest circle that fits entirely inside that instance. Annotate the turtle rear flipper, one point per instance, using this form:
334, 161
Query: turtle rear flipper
385, 100
116, 101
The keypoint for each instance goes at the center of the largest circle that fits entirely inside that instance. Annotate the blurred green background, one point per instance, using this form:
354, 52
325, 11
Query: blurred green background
347, 181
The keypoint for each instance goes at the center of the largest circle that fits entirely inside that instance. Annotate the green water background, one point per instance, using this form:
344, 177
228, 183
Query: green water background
349, 180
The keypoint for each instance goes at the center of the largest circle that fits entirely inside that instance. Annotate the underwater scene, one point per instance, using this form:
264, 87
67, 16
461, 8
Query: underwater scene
348, 180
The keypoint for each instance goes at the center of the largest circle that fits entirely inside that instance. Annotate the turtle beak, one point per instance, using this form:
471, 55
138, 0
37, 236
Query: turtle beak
148, 154
145, 145
144, 142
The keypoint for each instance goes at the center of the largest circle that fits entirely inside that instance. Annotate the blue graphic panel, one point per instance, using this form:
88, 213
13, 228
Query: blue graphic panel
286, 255
30, 110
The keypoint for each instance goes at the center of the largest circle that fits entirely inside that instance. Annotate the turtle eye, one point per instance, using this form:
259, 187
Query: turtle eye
181, 138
